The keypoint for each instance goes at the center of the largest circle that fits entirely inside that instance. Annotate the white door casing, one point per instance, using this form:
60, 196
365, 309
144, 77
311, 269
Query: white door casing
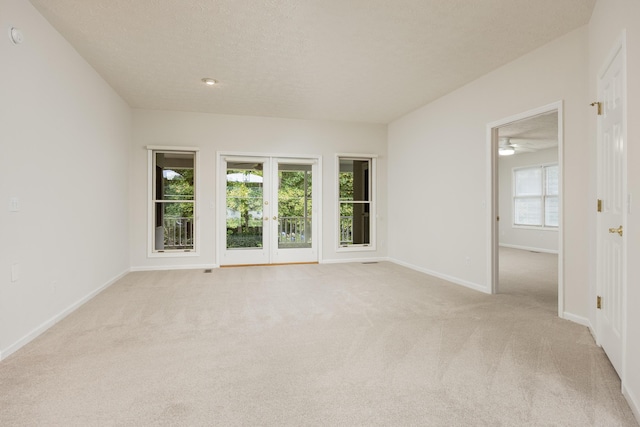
612, 177
493, 206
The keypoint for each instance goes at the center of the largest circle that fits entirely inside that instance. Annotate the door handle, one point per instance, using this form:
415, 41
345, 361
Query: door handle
616, 230
275, 218
266, 218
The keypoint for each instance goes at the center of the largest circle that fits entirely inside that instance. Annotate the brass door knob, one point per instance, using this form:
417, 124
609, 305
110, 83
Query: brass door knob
275, 218
616, 230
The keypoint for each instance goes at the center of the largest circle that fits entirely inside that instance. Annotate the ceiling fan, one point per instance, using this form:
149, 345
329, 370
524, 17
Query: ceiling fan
507, 147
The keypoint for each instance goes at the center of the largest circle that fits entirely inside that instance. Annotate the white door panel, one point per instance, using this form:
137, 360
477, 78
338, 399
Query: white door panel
611, 219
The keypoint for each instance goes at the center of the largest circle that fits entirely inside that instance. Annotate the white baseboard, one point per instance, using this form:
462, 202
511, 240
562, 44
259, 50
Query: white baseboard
457, 281
174, 267
579, 320
528, 248
633, 402
593, 332
357, 260
57, 318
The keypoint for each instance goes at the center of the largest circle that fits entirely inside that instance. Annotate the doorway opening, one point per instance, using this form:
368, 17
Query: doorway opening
525, 212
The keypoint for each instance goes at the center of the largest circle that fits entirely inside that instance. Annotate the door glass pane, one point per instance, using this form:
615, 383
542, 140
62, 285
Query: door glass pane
174, 201
244, 205
294, 206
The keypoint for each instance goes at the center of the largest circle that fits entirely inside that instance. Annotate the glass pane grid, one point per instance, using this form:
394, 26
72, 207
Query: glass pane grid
295, 207
528, 211
551, 180
536, 192
174, 201
528, 182
551, 212
354, 201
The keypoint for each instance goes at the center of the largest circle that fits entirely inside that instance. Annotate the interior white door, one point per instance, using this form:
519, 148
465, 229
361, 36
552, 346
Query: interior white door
269, 213
612, 216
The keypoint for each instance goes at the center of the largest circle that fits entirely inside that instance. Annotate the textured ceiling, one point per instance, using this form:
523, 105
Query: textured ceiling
532, 134
354, 60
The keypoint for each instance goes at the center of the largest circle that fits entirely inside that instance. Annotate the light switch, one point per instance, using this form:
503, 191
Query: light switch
14, 204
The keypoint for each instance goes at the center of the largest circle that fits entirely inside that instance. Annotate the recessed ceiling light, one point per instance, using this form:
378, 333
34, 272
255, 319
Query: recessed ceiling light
209, 82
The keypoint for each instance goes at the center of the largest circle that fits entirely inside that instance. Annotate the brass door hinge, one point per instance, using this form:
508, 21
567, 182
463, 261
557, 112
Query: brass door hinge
599, 104
599, 303
599, 205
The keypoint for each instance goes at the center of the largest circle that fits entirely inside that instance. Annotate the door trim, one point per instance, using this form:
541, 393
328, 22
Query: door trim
492, 190
220, 196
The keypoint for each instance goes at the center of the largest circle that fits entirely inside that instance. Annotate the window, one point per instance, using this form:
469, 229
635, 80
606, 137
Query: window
356, 209
535, 196
173, 201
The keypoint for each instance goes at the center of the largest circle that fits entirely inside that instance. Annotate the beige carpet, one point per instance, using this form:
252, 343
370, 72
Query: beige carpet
532, 276
351, 344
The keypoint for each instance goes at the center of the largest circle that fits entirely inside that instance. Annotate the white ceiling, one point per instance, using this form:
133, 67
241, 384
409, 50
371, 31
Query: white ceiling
354, 60
531, 134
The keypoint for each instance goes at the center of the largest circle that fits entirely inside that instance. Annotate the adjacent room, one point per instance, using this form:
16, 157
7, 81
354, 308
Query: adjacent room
528, 200
297, 213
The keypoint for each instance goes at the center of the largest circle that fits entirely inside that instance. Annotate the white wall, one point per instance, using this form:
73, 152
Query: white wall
518, 237
609, 18
438, 168
212, 133
64, 137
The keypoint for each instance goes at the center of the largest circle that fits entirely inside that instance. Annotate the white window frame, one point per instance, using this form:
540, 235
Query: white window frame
177, 253
543, 198
373, 192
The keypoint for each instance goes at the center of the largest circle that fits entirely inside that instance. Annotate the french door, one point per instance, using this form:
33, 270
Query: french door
268, 210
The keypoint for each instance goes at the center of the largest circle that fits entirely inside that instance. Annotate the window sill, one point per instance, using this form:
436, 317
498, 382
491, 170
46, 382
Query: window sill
356, 248
533, 227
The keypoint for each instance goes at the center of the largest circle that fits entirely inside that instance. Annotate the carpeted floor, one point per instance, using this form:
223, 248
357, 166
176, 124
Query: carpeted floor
347, 344
531, 276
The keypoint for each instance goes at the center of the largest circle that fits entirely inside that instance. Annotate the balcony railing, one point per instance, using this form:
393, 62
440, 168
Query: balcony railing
346, 230
294, 229
178, 232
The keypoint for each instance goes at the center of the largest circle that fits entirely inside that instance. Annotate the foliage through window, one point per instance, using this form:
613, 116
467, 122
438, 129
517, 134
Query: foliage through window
295, 191
535, 196
245, 194
355, 178
173, 201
